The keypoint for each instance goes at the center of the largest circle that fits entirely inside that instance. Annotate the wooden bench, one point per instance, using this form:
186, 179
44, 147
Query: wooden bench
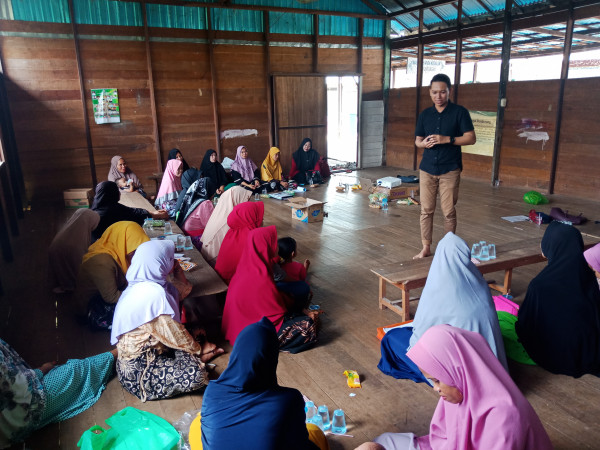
412, 274
204, 279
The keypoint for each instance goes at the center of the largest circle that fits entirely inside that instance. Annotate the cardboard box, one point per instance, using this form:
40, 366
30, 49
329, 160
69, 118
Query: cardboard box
306, 209
399, 192
78, 198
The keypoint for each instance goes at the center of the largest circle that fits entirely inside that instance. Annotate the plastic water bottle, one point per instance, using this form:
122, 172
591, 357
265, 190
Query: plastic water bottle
384, 204
311, 411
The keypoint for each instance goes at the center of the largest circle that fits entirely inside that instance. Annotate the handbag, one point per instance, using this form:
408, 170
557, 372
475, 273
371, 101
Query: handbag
313, 177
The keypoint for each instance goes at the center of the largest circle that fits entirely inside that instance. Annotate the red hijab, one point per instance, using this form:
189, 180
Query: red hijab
252, 292
244, 217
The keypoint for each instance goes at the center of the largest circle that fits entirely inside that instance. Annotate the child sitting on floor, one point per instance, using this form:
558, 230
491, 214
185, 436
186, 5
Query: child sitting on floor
125, 185
287, 251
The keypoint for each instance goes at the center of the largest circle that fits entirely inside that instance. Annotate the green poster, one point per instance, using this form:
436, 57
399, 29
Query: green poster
106, 105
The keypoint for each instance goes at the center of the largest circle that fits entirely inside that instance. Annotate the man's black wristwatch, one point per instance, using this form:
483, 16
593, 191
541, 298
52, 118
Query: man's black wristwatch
452, 139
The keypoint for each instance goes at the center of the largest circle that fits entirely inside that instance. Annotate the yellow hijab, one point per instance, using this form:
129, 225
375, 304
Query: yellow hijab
271, 169
118, 241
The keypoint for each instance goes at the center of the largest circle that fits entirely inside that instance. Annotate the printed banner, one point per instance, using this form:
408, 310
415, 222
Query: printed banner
485, 130
106, 105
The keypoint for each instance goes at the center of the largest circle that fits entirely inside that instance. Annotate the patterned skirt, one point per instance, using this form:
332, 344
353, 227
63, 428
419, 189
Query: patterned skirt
153, 376
298, 332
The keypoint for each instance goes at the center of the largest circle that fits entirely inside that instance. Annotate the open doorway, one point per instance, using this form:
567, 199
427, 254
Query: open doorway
342, 120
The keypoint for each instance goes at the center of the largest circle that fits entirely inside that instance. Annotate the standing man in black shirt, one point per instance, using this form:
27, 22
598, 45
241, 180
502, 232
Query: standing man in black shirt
441, 130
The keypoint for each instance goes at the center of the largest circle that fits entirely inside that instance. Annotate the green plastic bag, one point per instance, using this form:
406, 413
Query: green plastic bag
513, 347
131, 429
534, 198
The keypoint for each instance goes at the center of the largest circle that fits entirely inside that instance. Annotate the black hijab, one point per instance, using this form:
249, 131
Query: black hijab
196, 189
106, 204
214, 171
173, 155
305, 160
235, 406
559, 320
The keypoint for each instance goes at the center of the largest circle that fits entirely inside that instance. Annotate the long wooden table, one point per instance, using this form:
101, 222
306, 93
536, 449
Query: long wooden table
205, 281
412, 274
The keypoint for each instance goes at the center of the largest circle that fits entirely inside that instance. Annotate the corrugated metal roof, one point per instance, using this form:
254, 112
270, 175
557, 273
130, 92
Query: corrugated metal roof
106, 12
41, 10
290, 23
236, 20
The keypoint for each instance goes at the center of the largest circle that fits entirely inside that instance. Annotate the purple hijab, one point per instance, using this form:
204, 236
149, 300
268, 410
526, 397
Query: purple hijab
245, 167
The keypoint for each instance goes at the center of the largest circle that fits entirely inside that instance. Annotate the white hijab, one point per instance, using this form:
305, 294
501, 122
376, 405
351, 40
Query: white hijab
148, 294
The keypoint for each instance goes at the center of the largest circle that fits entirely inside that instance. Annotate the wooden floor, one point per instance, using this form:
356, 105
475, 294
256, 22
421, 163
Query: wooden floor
351, 239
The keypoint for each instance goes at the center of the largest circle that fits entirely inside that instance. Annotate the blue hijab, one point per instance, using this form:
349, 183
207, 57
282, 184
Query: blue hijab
245, 407
456, 294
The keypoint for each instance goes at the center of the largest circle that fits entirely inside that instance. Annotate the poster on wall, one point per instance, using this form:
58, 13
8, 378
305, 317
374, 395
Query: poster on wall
485, 130
106, 105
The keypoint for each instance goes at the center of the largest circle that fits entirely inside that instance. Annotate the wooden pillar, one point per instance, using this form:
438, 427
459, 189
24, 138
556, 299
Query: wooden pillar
420, 55
213, 83
5, 246
86, 121
387, 68
458, 54
564, 75
159, 166
359, 54
268, 84
315, 61
504, 70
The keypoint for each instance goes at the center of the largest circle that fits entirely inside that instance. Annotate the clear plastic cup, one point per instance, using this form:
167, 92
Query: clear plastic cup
311, 410
476, 250
482, 243
492, 251
324, 413
485, 253
257, 196
180, 243
338, 423
168, 229
188, 243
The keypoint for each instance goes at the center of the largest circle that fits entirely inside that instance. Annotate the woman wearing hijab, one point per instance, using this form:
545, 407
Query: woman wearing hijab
101, 276
455, 293
170, 187
120, 173
244, 217
217, 227
213, 169
559, 320
480, 405
106, 204
271, 171
252, 294
68, 247
244, 172
592, 256
194, 207
175, 153
158, 358
304, 159
34, 398
235, 406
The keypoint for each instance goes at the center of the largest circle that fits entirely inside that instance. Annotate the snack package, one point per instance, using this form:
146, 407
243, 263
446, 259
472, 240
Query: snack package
353, 378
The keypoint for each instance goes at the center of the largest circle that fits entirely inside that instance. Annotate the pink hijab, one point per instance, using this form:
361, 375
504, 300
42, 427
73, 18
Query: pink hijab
494, 414
195, 224
245, 167
170, 181
592, 256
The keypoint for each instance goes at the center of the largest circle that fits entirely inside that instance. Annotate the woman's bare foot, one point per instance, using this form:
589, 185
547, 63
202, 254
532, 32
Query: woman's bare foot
210, 351
424, 253
306, 264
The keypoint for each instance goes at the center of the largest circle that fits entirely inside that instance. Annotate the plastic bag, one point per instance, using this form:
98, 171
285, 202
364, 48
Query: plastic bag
182, 425
132, 429
534, 198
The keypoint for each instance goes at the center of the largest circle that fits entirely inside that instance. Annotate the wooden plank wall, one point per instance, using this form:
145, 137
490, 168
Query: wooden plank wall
43, 90
524, 163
